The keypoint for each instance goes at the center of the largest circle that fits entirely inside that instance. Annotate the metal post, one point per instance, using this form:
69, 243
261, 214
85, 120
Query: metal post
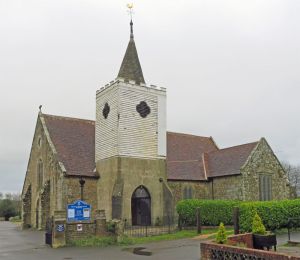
198, 220
169, 225
146, 226
289, 234
236, 220
81, 182
179, 223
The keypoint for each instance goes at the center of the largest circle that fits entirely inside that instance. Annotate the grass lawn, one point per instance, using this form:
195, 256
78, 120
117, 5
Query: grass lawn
108, 241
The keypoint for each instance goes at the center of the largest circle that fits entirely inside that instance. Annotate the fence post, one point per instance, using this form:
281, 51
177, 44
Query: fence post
236, 220
198, 220
289, 234
169, 225
146, 226
179, 223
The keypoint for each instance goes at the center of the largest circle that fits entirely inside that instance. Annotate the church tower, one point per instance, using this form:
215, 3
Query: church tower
131, 145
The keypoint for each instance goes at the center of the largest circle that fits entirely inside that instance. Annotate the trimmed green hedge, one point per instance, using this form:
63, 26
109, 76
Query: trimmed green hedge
274, 214
213, 212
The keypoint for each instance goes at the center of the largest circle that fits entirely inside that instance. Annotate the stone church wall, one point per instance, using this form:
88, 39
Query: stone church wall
228, 188
119, 178
200, 190
261, 162
73, 192
42, 200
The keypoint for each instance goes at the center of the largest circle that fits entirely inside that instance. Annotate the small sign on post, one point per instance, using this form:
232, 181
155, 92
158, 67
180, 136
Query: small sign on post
79, 211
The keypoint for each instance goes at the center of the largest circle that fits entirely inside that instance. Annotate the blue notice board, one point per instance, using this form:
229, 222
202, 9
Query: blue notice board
79, 211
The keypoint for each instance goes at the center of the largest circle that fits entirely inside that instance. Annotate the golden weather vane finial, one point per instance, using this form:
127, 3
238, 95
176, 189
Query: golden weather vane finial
130, 11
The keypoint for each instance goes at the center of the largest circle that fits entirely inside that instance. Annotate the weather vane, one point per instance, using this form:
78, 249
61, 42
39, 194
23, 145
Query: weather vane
130, 11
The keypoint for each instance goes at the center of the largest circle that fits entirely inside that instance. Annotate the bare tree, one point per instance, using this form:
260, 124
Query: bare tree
293, 173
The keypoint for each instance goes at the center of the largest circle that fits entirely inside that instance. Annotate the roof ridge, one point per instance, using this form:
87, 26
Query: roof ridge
184, 161
256, 142
191, 135
70, 118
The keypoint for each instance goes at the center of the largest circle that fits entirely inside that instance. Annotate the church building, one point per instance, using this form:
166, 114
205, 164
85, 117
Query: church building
127, 163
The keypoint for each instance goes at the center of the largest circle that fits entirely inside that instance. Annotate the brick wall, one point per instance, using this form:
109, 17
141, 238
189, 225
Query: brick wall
211, 251
88, 229
246, 239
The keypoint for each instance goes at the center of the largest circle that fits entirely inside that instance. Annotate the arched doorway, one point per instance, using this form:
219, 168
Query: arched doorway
141, 207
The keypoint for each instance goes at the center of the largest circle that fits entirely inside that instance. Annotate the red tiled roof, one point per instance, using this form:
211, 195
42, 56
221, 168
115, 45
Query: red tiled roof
185, 170
184, 156
74, 141
182, 147
229, 161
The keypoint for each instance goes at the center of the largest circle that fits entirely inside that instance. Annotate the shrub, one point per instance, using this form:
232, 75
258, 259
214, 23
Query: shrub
212, 212
111, 226
8, 208
257, 225
221, 237
274, 214
15, 219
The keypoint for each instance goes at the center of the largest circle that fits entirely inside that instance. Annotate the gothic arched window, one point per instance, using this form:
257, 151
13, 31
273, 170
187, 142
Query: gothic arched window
187, 193
40, 173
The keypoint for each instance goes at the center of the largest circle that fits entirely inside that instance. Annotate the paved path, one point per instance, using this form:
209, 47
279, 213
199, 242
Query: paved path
29, 245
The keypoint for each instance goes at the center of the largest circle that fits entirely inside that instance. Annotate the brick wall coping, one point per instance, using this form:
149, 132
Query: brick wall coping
207, 247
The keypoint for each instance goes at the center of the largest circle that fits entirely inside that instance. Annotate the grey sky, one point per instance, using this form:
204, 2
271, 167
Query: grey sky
231, 68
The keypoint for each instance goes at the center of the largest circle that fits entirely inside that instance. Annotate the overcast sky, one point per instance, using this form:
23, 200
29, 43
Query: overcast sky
231, 68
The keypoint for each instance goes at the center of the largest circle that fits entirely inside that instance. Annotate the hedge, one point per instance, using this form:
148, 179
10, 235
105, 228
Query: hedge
213, 212
274, 214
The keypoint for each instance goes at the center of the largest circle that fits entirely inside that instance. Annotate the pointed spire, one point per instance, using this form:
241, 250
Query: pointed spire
131, 68
131, 29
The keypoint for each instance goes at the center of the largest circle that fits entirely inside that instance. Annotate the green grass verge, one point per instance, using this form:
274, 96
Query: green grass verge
109, 241
94, 241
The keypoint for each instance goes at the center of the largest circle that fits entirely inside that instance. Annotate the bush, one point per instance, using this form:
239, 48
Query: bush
212, 212
257, 225
111, 226
15, 219
274, 214
8, 208
221, 237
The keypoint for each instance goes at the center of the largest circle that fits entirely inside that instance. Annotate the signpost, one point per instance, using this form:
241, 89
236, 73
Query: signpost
79, 211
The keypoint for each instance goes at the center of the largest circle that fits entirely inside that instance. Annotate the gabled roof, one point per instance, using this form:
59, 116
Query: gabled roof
131, 68
74, 141
184, 156
189, 157
230, 160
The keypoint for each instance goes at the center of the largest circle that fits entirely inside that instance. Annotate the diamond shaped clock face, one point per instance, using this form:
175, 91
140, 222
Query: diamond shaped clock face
105, 110
143, 109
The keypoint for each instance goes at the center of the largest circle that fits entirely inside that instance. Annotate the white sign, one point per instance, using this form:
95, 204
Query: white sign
86, 213
79, 227
71, 213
